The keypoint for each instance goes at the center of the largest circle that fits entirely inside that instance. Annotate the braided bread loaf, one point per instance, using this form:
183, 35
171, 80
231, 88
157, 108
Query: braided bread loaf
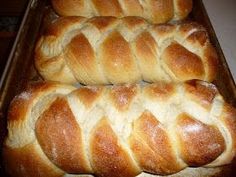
118, 131
156, 11
106, 50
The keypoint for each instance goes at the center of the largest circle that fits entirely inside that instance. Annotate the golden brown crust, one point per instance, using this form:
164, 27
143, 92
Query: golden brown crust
62, 145
108, 8
201, 94
200, 143
132, 8
117, 58
56, 30
67, 8
199, 39
161, 91
132, 22
146, 56
88, 96
122, 96
26, 162
102, 23
109, 50
154, 154
182, 63
83, 58
183, 7
155, 11
26, 99
104, 144
163, 10
157, 128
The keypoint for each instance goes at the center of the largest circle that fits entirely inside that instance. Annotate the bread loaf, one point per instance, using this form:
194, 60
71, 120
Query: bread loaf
108, 50
119, 131
156, 11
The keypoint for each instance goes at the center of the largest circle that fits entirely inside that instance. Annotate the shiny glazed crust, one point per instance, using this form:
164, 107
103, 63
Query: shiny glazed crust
120, 131
155, 11
108, 50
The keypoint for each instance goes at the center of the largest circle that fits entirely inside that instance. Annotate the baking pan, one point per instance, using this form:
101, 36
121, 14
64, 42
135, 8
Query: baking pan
19, 70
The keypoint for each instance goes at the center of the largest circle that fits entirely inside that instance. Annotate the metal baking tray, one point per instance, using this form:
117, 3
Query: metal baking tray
20, 70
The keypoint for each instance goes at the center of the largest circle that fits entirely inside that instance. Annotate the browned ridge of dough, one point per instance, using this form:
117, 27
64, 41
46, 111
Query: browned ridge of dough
155, 11
109, 50
119, 131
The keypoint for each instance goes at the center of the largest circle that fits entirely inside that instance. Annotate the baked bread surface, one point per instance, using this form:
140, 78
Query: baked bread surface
155, 11
109, 50
123, 131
